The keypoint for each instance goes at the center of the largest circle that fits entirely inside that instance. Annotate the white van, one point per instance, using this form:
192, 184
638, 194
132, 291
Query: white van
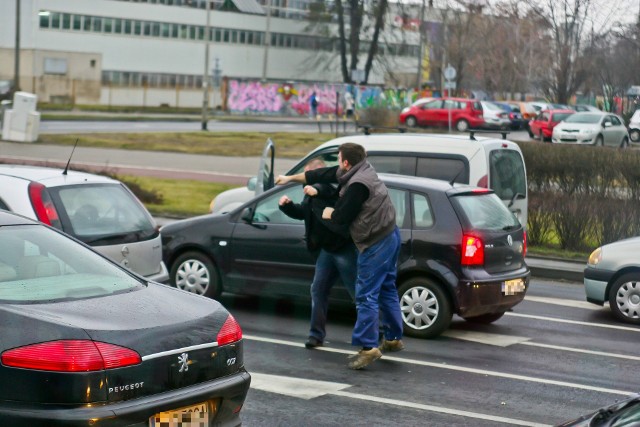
485, 162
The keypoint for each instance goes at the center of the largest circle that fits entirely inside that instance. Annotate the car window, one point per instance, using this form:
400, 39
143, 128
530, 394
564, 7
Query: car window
432, 105
615, 121
330, 158
607, 120
422, 213
507, 175
38, 264
443, 168
477, 106
399, 200
545, 117
484, 212
462, 105
101, 210
450, 104
3, 205
268, 211
400, 165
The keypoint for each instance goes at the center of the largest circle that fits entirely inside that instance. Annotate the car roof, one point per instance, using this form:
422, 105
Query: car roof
416, 142
415, 182
9, 218
51, 177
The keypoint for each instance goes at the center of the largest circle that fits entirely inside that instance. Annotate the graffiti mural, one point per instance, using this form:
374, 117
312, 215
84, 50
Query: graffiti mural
292, 99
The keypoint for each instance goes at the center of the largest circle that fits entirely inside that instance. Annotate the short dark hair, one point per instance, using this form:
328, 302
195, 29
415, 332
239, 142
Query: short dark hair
352, 152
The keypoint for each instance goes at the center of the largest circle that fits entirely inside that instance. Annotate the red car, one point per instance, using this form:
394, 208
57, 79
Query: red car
465, 114
542, 125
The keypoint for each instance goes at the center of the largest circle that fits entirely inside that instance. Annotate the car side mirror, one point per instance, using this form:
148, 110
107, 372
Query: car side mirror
247, 215
607, 124
251, 184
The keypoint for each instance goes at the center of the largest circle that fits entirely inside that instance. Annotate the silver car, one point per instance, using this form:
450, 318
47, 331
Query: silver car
592, 128
100, 211
613, 275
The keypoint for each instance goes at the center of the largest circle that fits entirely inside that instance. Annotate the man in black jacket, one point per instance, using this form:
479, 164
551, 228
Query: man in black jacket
336, 253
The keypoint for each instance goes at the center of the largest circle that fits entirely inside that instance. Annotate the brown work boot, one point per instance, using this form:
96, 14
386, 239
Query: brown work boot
364, 358
391, 346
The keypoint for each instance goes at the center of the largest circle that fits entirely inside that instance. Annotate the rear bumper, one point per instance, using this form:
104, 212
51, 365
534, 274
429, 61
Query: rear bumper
231, 390
484, 296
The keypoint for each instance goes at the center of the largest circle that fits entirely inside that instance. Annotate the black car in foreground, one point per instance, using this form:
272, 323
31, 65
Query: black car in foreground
85, 342
625, 413
462, 252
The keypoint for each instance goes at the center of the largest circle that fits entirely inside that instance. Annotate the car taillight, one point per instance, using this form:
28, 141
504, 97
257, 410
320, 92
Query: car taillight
472, 251
524, 244
43, 205
230, 332
70, 356
483, 182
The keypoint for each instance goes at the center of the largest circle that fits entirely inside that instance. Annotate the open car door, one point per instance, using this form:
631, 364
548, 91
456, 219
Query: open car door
265, 179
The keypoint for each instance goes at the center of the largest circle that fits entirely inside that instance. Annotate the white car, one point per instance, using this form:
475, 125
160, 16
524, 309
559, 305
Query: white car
495, 116
100, 211
634, 127
593, 129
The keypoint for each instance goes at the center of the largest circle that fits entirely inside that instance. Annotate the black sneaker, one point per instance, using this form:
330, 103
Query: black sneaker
313, 342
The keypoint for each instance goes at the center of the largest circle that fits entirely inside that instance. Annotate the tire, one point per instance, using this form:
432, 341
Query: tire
425, 308
624, 143
599, 141
462, 125
194, 272
411, 122
485, 318
624, 298
634, 134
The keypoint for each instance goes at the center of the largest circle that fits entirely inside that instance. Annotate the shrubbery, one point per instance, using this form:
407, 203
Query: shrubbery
581, 196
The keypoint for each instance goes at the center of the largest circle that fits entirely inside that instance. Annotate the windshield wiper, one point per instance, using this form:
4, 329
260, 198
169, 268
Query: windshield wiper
131, 235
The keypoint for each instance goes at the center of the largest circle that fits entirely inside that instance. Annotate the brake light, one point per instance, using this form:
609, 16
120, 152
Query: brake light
483, 182
480, 190
230, 332
43, 205
70, 356
524, 244
472, 251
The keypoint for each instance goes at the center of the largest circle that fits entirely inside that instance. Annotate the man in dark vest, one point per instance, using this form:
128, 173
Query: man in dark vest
336, 255
365, 206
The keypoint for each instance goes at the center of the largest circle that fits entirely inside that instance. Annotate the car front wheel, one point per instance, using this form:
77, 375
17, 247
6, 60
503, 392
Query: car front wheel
425, 307
194, 272
411, 122
624, 298
634, 134
599, 141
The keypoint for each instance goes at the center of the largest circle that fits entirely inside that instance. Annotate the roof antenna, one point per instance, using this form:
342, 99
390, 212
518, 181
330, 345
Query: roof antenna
456, 177
66, 168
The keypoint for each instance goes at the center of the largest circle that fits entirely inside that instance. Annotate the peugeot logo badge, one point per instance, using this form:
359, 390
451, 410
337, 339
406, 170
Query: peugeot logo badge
183, 360
510, 240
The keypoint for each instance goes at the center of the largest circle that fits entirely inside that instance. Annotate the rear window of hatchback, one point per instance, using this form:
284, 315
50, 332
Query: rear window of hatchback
484, 211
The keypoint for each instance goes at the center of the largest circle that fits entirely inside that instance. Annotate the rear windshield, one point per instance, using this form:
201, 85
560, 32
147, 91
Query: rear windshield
507, 175
484, 211
38, 264
98, 212
584, 118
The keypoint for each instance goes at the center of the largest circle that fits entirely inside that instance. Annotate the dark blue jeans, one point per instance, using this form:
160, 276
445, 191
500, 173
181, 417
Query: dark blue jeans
330, 266
376, 293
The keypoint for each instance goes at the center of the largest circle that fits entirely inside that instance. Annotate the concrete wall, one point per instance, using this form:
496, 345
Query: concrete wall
155, 97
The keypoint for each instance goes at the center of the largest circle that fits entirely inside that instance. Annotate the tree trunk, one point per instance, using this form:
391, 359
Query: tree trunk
346, 77
373, 49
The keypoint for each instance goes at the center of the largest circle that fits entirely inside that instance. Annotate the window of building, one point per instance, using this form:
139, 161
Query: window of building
66, 21
117, 26
184, 31
200, 32
155, 29
226, 36
242, 37
55, 66
147, 28
234, 36
218, 34
44, 19
137, 28
55, 20
128, 26
250, 37
192, 32
87, 23
97, 24
77, 22
165, 29
108, 25
175, 30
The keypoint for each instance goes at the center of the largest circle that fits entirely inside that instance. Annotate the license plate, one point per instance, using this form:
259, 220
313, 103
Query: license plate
189, 416
512, 287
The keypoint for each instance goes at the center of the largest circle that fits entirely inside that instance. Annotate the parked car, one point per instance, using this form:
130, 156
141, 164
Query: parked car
540, 106
526, 109
634, 127
486, 162
462, 252
592, 128
464, 114
625, 413
97, 210
87, 342
542, 125
517, 121
613, 275
495, 117
584, 107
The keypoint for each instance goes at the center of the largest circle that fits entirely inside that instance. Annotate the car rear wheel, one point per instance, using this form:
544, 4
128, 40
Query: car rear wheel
634, 134
411, 122
624, 298
425, 307
194, 272
485, 318
462, 125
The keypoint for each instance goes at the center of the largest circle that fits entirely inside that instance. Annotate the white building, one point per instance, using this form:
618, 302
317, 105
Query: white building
118, 52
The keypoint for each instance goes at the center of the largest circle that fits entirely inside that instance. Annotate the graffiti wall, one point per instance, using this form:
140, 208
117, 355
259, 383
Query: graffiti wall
293, 99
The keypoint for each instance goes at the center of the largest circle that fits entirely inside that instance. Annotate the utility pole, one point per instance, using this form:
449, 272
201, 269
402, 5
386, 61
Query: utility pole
205, 77
16, 70
267, 42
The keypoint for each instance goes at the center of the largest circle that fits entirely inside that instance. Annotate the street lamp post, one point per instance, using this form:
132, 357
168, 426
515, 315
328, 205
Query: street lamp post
267, 42
16, 70
205, 78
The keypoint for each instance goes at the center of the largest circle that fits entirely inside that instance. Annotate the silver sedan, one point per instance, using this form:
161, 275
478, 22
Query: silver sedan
592, 128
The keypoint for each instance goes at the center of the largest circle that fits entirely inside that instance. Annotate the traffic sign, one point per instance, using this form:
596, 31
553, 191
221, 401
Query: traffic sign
450, 85
450, 73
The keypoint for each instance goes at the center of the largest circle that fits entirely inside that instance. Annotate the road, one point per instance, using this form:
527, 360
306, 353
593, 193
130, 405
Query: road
553, 358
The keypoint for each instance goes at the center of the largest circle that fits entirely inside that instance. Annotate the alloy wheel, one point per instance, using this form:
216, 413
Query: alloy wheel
627, 300
193, 276
419, 307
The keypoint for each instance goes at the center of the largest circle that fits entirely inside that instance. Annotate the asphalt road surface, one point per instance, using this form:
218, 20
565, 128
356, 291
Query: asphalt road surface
552, 359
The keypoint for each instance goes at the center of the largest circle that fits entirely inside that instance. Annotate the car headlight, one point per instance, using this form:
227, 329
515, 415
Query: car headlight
595, 257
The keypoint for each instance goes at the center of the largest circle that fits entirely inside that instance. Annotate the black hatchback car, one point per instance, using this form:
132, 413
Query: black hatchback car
86, 342
462, 252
